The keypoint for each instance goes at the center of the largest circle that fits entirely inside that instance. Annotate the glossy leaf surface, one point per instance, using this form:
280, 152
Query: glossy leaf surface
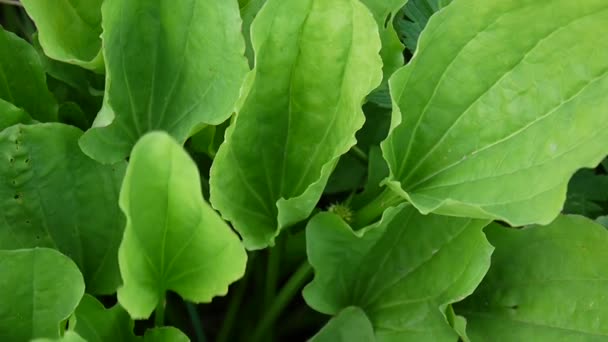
546, 283
43, 289
498, 109
301, 113
69, 30
52, 195
191, 75
174, 240
402, 272
22, 78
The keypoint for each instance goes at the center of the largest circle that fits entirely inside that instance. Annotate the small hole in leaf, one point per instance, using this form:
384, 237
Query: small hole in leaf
28, 221
17, 196
515, 307
11, 160
27, 160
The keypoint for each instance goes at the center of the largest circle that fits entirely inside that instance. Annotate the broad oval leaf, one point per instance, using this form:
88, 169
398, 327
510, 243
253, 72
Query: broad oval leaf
165, 334
350, 325
174, 240
402, 272
52, 195
315, 62
22, 78
11, 115
545, 284
170, 65
39, 288
69, 336
498, 109
69, 30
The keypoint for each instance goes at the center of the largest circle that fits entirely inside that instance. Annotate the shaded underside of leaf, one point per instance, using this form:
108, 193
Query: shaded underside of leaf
52, 195
69, 30
169, 66
95, 323
39, 288
315, 60
546, 283
401, 272
497, 110
174, 240
416, 14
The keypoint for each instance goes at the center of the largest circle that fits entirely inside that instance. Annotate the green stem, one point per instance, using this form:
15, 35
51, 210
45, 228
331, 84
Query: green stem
289, 290
359, 154
159, 315
235, 303
272, 273
373, 210
196, 322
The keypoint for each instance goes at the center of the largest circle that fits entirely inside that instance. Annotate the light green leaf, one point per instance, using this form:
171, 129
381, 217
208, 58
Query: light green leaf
173, 240
191, 75
39, 288
69, 30
98, 324
498, 109
315, 62
22, 78
350, 325
546, 283
402, 272
165, 334
11, 115
52, 195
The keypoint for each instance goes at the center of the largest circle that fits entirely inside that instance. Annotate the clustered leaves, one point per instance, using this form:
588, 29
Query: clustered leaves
154, 149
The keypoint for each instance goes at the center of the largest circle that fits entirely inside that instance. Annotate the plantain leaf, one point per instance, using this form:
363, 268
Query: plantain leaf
173, 239
22, 78
52, 195
301, 113
39, 288
97, 324
498, 109
69, 30
11, 115
193, 75
402, 272
350, 325
545, 284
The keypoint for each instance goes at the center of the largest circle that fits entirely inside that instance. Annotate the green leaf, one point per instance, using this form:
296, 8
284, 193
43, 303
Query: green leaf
69, 336
69, 30
402, 272
165, 334
11, 115
249, 10
39, 288
52, 195
416, 15
546, 283
482, 130
95, 323
22, 78
315, 62
173, 240
392, 50
350, 325
587, 194
192, 74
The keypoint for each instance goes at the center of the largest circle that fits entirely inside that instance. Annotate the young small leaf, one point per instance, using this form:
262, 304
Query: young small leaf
546, 283
95, 323
39, 288
350, 325
173, 240
402, 272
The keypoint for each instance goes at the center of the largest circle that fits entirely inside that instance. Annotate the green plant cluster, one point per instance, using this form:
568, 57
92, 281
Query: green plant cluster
323, 170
